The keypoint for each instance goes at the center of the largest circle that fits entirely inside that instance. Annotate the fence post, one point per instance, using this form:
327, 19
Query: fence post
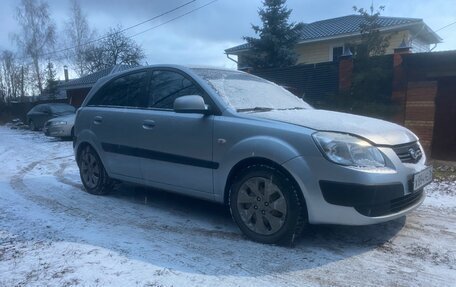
399, 94
345, 71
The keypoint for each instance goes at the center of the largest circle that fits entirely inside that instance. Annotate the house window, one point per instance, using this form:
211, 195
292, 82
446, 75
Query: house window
337, 52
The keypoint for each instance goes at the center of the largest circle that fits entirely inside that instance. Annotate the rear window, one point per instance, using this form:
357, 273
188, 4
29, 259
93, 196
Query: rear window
62, 108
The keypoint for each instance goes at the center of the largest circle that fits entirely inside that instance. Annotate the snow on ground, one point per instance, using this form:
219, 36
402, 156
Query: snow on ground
53, 233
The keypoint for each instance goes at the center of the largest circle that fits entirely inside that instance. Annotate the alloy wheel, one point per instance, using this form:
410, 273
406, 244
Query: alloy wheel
90, 168
262, 206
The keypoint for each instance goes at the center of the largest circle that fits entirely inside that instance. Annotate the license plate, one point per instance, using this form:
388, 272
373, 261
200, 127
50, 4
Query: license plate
422, 178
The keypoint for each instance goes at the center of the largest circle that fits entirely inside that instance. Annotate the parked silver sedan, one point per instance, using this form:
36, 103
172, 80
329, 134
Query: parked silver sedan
61, 127
237, 139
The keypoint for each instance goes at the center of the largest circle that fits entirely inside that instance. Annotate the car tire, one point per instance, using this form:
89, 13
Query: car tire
265, 204
93, 174
32, 126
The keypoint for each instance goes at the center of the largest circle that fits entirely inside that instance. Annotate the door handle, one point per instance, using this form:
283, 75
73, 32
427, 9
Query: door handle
97, 120
148, 124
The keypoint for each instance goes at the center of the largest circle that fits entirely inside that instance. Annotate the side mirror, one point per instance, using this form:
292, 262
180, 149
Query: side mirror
190, 104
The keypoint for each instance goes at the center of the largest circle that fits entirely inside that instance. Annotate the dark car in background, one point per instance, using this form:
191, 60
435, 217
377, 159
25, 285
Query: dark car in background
41, 113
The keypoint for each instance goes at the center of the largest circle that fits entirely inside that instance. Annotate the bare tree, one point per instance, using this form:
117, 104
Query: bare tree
114, 49
10, 75
37, 34
2, 89
79, 34
373, 43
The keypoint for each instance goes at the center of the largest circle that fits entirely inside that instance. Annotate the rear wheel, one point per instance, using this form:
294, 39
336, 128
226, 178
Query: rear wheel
93, 174
264, 203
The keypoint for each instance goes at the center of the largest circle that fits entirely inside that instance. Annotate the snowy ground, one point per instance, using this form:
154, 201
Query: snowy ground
53, 233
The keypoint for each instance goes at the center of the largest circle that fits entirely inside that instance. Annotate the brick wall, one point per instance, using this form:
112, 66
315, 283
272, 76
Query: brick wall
420, 110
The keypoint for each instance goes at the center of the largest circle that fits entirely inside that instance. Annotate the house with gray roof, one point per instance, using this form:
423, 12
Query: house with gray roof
77, 89
326, 40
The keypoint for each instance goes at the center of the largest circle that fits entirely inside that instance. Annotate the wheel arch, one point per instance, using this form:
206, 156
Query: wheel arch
80, 147
259, 161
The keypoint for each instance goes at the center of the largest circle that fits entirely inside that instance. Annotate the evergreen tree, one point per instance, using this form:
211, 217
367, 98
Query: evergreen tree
51, 82
277, 37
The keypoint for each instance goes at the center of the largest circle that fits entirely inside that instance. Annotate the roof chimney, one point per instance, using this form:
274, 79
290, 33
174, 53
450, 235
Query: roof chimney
65, 71
403, 48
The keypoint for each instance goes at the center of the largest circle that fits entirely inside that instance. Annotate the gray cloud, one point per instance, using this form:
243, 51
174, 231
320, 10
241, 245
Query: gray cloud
201, 37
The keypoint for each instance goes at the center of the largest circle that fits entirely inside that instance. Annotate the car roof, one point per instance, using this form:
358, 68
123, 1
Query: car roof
185, 68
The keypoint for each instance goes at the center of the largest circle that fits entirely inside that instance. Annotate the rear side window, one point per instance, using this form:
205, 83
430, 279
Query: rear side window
38, 108
126, 91
166, 86
45, 109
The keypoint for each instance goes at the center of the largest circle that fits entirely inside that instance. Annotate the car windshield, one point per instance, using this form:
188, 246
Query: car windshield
62, 109
245, 92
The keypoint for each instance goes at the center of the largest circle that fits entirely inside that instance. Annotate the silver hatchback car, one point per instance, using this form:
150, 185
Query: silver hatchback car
233, 138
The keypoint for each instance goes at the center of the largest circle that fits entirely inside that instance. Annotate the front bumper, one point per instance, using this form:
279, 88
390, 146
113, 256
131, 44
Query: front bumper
57, 131
337, 194
370, 200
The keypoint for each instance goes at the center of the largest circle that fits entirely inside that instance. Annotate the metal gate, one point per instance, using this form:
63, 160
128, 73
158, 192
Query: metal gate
444, 138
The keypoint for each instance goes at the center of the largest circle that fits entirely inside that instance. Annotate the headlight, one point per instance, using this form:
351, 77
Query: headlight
348, 150
58, 123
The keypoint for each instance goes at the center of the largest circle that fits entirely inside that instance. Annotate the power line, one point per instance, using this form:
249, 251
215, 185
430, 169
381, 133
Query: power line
118, 32
446, 26
173, 19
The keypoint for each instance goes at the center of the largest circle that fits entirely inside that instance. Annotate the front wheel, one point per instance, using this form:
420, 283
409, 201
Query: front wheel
264, 203
93, 174
32, 126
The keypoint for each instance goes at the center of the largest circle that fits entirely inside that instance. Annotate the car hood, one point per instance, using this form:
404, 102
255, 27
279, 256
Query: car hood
377, 131
67, 118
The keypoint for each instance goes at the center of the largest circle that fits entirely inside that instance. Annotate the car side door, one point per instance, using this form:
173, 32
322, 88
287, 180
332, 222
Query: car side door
40, 115
115, 115
47, 115
176, 147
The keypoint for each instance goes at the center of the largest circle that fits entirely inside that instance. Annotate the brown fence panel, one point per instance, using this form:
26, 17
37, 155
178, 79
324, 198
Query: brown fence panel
312, 82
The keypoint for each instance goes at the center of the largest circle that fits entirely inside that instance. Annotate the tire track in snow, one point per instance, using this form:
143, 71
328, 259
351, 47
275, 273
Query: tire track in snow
105, 216
405, 251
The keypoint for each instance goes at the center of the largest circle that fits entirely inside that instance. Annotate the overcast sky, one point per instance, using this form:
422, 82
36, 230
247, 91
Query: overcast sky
201, 37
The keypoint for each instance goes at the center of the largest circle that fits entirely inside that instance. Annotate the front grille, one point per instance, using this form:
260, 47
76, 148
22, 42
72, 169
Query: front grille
409, 153
392, 206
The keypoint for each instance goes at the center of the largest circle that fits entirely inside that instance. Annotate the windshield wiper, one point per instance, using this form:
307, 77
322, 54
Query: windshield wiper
295, 108
255, 109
